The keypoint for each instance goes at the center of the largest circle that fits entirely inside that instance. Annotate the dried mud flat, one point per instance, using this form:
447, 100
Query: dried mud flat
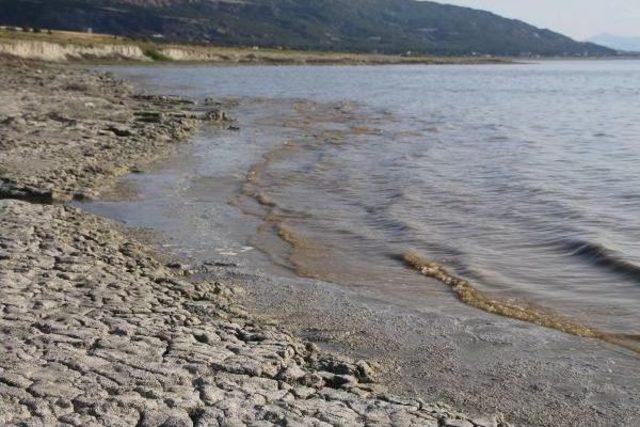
65, 133
95, 330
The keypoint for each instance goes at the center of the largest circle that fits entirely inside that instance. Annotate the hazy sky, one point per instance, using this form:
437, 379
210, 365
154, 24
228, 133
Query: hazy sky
579, 19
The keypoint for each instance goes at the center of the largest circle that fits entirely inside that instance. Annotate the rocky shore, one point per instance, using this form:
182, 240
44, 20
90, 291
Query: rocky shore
65, 133
95, 330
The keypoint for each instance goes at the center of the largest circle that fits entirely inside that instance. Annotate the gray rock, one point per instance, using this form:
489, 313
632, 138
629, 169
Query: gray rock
291, 374
120, 130
455, 422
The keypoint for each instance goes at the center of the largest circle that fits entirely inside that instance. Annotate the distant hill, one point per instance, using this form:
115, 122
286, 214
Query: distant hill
385, 26
627, 44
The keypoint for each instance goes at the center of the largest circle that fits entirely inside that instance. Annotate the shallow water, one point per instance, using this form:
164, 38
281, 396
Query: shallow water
522, 179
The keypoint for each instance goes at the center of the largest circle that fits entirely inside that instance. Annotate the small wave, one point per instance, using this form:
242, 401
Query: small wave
472, 296
601, 256
468, 294
287, 234
264, 200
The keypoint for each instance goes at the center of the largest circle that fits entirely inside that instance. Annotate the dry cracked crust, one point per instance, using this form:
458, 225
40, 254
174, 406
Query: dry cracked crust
66, 132
95, 331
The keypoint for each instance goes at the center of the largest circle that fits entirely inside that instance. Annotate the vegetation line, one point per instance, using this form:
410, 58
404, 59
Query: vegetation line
65, 46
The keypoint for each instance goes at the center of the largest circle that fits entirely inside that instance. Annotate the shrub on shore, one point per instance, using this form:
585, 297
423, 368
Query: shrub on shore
155, 54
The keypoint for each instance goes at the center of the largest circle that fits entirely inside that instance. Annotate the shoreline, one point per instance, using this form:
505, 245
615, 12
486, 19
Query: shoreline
96, 330
441, 350
94, 126
537, 378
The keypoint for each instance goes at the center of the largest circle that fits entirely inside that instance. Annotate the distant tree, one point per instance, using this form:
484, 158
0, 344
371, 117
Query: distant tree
26, 29
37, 30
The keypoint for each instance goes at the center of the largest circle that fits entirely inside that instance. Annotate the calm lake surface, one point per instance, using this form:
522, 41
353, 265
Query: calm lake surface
522, 179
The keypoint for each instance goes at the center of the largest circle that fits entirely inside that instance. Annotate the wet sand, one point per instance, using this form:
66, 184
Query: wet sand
466, 357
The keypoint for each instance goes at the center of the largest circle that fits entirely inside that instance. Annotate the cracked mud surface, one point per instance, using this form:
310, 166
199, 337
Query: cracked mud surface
65, 132
96, 331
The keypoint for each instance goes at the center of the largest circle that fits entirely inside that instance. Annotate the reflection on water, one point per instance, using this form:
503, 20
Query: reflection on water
521, 180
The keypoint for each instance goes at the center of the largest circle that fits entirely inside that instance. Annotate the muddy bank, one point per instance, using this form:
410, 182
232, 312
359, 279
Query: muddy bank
96, 331
65, 133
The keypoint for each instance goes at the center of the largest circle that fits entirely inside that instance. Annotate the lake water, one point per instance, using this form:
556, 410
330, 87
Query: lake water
522, 179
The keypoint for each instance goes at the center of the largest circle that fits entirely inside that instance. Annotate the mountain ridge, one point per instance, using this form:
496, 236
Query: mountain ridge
621, 43
382, 26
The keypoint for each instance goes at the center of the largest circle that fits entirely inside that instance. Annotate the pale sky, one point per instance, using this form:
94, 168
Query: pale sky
579, 19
